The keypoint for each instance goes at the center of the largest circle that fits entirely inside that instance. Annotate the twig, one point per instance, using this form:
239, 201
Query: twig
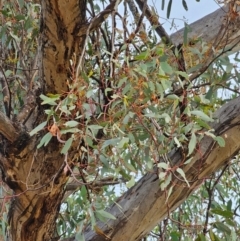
6, 93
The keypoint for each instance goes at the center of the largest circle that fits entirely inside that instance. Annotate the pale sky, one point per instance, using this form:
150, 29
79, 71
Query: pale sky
196, 10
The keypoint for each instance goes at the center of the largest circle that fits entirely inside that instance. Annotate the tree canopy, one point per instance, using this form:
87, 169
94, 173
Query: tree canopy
112, 129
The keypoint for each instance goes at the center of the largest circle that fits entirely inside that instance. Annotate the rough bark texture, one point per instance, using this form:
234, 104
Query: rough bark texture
61, 23
37, 176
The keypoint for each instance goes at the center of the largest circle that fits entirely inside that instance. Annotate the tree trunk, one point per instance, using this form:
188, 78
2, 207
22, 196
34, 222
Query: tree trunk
37, 178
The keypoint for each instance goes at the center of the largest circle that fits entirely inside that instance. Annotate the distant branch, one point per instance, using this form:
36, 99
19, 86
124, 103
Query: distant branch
101, 17
218, 29
7, 129
153, 19
107, 181
6, 92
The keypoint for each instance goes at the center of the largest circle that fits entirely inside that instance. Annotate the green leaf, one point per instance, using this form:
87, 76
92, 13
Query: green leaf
169, 192
201, 115
181, 172
83, 192
71, 123
192, 144
183, 74
169, 8
173, 97
200, 237
188, 160
67, 145
203, 124
229, 205
38, 128
105, 214
185, 5
175, 236
45, 140
129, 166
79, 236
8, 73
89, 141
124, 141
163, 4
177, 142
49, 100
142, 55
233, 236
209, 94
95, 127
223, 213
163, 165
131, 182
161, 176
166, 68
92, 217
111, 142
69, 130
166, 181
222, 227
185, 34
220, 141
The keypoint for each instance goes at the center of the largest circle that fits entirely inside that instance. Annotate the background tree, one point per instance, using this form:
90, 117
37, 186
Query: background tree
91, 98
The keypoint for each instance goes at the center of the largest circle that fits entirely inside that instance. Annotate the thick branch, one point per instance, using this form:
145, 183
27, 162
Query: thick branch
100, 18
219, 29
144, 205
153, 19
7, 129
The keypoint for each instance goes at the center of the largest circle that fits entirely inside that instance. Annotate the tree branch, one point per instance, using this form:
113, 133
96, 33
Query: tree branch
7, 129
145, 204
100, 18
153, 19
210, 29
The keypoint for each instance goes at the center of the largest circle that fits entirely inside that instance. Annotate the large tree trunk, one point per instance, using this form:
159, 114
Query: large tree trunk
37, 176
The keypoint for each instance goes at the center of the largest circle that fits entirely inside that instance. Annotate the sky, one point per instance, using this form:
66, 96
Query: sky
179, 15
196, 10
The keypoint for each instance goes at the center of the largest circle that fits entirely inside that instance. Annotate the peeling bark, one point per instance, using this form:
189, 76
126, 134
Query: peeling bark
38, 179
7, 128
61, 22
37, 176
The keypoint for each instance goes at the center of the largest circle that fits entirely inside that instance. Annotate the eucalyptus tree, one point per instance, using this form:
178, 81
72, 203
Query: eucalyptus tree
96, 93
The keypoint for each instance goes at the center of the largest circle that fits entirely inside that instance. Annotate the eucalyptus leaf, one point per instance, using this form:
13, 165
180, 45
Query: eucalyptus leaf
67, 146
